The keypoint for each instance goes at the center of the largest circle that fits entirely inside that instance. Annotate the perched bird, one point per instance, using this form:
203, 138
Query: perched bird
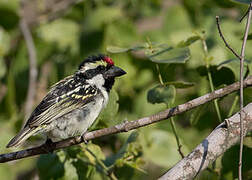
72, 104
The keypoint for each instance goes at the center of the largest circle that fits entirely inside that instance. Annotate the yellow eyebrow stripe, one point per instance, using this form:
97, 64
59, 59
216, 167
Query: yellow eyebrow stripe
97, 63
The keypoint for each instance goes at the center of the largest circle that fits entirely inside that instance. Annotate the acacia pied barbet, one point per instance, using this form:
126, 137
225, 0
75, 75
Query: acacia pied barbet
72, 104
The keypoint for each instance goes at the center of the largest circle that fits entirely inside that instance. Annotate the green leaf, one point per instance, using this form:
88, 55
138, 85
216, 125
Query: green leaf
135, 165
112, 159
234, 66
167, 54
70, 170
188, 42
142, 107
249, 37
220, 76
180, 84
82, 161
162, 94
96, 150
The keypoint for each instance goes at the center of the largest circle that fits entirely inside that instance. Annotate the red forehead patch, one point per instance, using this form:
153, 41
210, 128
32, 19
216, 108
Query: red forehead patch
108, 60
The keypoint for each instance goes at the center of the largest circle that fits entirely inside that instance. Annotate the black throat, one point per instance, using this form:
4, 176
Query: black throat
108, 84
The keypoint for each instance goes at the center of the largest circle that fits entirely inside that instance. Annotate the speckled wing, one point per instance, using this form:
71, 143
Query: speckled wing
64, 97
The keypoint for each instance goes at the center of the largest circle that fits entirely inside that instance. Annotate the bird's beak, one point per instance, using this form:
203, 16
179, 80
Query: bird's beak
114, 71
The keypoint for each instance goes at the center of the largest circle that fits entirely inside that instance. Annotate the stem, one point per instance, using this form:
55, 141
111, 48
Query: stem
205, 50
172, 119
104, 167
177, 138
159, 75
233, 105
241, 89
212, 89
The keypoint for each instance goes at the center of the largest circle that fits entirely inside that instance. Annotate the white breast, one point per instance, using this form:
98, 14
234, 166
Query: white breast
99, 81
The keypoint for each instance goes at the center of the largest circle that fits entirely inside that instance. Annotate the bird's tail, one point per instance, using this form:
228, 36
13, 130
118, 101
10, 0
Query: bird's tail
24, 134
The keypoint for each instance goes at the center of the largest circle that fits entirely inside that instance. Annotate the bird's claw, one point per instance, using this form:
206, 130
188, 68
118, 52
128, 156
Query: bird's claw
48, 146
83, 138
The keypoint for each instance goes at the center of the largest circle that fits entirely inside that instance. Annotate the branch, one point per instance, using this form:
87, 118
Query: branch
127, 126
224, 40
241, 88
222, 138
33, 72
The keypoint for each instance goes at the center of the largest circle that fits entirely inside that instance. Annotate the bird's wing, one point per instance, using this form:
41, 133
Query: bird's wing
64, 97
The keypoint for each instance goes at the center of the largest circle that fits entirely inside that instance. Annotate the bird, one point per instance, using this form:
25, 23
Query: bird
72, 105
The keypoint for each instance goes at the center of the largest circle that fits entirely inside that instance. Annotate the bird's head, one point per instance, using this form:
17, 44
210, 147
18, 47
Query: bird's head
95, 66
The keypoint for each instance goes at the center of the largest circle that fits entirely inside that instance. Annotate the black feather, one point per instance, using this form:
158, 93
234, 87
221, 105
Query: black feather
58, 94
92, 59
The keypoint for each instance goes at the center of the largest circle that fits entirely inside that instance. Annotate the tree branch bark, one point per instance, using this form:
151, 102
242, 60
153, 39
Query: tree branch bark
222, 138
127, 126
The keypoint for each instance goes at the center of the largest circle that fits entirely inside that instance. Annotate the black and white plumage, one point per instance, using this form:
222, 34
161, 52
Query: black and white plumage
72, 104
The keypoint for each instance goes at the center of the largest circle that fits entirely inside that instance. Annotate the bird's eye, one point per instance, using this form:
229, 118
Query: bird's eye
101, 68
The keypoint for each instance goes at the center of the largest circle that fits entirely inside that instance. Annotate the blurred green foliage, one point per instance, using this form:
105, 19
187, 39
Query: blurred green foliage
168, 49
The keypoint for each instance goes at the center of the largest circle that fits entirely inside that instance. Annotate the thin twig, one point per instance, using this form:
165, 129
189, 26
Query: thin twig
127, 126
241, 88
224, 40
33, 72
244, 15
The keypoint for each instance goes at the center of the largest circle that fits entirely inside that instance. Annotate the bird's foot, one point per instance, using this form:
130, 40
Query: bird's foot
82, 138
48, 146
